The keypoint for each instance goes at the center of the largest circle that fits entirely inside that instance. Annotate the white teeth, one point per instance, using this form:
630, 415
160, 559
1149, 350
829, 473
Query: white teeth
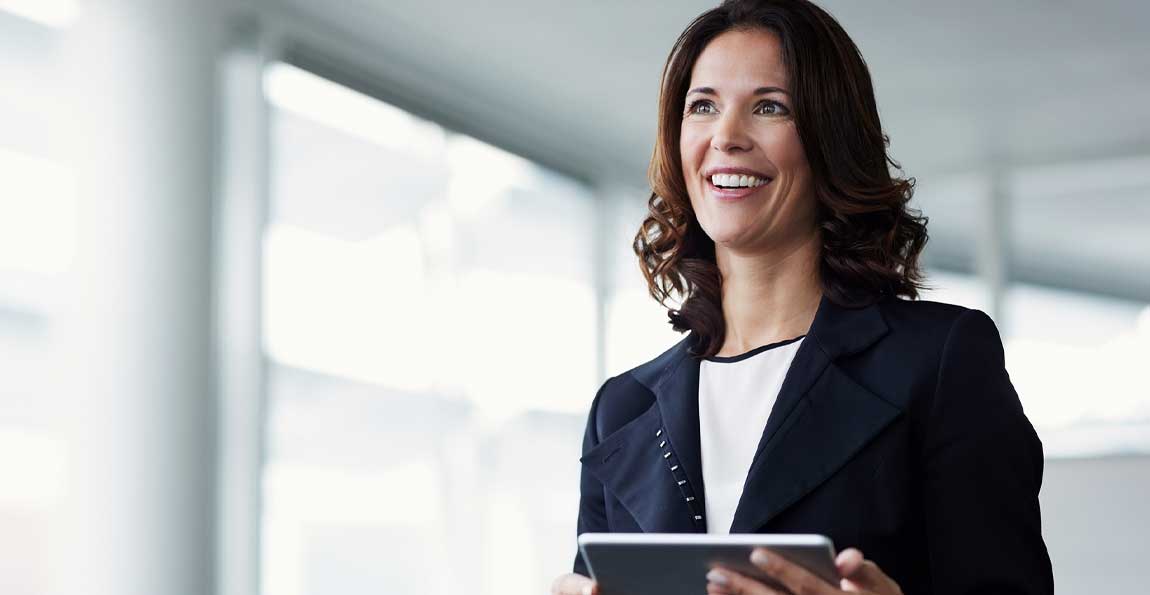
737, 181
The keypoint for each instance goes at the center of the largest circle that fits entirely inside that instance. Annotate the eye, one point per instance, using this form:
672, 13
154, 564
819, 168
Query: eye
772, 108
697, 105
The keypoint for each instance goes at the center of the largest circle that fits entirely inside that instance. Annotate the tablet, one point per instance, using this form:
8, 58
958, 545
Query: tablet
673, 563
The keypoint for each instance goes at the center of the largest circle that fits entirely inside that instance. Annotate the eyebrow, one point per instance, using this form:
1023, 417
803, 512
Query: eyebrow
759, 91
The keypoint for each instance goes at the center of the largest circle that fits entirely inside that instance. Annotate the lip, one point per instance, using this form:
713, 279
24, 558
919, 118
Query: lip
732, 194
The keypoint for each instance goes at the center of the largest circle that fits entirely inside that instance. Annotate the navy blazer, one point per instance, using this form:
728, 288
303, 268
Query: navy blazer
896, 431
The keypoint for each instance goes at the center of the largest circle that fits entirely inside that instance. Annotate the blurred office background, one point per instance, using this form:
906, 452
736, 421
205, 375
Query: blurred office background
304, 298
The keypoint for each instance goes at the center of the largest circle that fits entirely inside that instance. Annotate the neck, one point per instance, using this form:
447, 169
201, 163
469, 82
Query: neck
769, 296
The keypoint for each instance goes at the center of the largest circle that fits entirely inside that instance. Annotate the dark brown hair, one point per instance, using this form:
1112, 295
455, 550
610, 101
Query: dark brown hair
871, 239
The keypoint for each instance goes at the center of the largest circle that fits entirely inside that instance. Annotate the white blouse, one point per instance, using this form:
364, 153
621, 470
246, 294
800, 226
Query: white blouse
736, 394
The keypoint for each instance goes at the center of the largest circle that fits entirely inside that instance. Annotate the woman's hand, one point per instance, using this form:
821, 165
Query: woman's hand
859, 575
574, 584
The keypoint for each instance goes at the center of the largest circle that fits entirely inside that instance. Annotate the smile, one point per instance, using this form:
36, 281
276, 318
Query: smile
732, 187
737, 181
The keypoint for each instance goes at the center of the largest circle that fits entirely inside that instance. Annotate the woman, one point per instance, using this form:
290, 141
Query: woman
810, 396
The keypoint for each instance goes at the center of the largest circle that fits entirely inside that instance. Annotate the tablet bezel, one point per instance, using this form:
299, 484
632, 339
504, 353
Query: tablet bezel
731, 551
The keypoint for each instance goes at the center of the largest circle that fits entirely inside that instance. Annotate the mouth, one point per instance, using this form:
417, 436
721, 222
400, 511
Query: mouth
730, 187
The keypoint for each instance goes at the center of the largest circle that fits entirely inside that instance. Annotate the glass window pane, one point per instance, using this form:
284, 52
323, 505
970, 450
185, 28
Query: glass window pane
1079, 364
37, 245
430, 318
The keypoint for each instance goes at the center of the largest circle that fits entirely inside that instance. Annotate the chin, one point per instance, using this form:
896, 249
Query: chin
725, 229
725, 238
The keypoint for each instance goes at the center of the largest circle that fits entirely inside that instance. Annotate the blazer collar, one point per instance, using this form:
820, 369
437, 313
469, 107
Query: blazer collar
800, 447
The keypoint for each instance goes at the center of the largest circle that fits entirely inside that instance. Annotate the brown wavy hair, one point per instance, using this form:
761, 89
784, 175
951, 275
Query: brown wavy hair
871, 238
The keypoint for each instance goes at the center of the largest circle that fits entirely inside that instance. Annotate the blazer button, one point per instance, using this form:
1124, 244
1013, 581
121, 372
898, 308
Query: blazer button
666, 455
659, 433
682, 481
662, 444
698, 518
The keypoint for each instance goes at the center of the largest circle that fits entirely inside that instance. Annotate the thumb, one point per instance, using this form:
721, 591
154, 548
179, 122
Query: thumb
860, 574
575, 584
850, 586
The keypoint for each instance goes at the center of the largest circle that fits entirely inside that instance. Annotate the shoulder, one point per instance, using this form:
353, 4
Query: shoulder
921, 341
921, 318
629, 394
934, 348
933, 326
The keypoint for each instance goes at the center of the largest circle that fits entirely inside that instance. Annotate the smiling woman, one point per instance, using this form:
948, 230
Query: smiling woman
814, 392
813, 135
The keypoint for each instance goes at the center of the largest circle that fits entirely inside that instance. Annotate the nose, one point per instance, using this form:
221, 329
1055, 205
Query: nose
730, 134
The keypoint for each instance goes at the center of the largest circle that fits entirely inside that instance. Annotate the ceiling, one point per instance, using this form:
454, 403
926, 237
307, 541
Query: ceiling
963, 88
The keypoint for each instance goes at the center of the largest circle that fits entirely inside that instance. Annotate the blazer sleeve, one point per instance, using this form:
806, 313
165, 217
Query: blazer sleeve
982, 469
592, 507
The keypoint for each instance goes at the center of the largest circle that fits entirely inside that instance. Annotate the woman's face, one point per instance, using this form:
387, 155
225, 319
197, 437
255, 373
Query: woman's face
737, 121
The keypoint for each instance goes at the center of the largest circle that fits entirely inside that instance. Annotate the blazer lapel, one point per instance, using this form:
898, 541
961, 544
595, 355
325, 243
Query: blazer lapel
652, 464
820, 419
678, 399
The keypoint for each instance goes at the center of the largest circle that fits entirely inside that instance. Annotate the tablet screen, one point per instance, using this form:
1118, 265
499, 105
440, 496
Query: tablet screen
672, 563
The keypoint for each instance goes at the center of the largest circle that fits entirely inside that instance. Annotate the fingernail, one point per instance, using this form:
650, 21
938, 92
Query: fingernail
759, 557
717, 577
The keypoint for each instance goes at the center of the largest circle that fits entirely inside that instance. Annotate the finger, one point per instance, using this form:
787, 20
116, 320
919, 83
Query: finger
718, 583
737, 584
713, 589
792, 576
575, 584
848, 562
863, 573
566, 585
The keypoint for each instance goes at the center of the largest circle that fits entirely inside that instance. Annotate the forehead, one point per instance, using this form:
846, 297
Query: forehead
741, 58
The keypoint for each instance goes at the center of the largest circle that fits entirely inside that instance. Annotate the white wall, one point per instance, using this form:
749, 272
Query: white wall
1095, 523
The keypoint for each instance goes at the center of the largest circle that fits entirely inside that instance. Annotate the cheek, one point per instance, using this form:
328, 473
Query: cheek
786, 150
692, 146
691, 156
